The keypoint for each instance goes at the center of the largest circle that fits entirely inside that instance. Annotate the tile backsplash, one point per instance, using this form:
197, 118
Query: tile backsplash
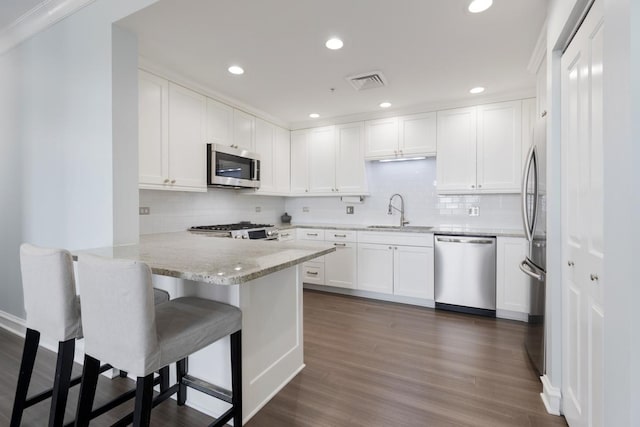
414, 180
177, 211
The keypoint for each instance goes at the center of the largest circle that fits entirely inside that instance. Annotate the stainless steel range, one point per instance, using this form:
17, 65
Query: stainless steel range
240, 230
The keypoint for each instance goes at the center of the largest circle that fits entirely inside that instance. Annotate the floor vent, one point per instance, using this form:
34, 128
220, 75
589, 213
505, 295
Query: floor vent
367, 80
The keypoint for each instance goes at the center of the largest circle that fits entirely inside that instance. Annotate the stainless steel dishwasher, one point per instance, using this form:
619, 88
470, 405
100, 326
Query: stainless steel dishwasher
465, 274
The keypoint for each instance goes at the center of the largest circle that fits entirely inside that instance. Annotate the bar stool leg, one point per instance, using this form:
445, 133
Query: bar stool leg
236, 377
144, 398
62, 381
31, 341
88, 386
182, 366
164, 378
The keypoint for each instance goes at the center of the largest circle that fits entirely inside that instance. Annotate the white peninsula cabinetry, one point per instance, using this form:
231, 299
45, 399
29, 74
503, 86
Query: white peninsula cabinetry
480, 149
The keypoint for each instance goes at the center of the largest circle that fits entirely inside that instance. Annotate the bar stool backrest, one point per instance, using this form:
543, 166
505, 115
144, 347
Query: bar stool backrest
118, 316
49, 288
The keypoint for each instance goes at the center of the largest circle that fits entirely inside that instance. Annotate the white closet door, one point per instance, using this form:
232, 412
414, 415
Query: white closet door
583, 282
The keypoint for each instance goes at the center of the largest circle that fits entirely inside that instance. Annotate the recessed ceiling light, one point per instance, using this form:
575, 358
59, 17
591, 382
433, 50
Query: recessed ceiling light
314, 115
477, 6
334, 44
235, 69
385, 104
477, 90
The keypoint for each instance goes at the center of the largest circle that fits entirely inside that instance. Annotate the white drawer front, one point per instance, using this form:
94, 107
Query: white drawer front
310, 234
285, 235
340, 236
396, 238
313, 272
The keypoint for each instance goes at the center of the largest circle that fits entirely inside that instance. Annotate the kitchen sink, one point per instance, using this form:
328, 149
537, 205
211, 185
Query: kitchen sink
397, 227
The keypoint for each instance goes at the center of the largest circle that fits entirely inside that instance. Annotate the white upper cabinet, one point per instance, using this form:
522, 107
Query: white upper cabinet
405, 136
187, 147
265, 146
322, 160
328, 160
417, 135
480, 149
153, 130
456, 160
499, 152
350, 172
243, 130
299, 158
282, 161
382, 138
219, 123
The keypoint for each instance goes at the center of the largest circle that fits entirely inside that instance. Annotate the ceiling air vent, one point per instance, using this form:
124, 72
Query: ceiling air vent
367, 80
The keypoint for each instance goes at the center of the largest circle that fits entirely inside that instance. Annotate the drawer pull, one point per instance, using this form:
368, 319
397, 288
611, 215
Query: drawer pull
339, 235
340, 244
312, 273
285, 234
312, 234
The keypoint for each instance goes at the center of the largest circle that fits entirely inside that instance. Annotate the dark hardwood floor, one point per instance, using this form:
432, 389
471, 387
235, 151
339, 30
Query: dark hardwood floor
369, 364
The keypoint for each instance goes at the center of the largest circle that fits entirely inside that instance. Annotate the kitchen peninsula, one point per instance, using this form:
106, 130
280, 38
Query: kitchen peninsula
260, 277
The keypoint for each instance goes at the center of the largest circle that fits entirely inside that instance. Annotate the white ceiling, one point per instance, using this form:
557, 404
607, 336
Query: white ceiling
431, 51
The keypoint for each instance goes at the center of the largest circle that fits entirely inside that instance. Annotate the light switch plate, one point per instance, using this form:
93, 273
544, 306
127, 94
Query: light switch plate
258, 209
474, 211
143, 210
350, 210
305, 209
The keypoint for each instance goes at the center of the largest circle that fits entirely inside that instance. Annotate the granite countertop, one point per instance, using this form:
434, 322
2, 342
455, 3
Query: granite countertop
214, 260
440, 229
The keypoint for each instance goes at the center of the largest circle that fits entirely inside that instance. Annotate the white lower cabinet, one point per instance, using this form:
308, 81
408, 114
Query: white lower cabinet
413, 272
340, 268
313, 272
512, 285
375, 268
400, 264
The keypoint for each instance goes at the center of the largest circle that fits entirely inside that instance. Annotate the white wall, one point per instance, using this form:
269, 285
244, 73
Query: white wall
58, 181
414, 180
177, 210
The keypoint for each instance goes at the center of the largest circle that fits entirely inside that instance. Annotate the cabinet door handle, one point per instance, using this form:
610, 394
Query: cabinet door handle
339, 235
312, 273
342, 245
285, 234
312, 234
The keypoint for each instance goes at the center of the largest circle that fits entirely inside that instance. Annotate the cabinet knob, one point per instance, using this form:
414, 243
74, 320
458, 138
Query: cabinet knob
166, 181
479, 185
306, 190
570, 263
473, 186
391, 247
173, 181
594, 277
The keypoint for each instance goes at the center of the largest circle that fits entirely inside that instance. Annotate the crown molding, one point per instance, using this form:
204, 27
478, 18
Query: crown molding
539, 51
44, 15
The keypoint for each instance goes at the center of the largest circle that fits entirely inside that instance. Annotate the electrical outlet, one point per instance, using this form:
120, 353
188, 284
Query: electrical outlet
349, 210
258, 209
474, 211
305, 209
143, 210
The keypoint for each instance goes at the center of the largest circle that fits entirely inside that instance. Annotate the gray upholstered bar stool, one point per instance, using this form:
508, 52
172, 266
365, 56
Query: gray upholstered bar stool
53, 311
140, 338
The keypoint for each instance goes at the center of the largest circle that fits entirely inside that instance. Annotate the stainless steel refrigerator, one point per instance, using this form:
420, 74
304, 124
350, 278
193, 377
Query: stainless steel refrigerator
534, 221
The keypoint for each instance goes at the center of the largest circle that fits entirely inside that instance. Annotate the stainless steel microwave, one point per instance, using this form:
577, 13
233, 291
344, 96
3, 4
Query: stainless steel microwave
232, 167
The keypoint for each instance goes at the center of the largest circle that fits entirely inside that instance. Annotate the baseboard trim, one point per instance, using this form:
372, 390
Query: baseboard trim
372, 295
551, 396
13, 324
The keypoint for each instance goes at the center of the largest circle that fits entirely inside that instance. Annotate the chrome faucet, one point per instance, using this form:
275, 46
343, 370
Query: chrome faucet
401, 210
